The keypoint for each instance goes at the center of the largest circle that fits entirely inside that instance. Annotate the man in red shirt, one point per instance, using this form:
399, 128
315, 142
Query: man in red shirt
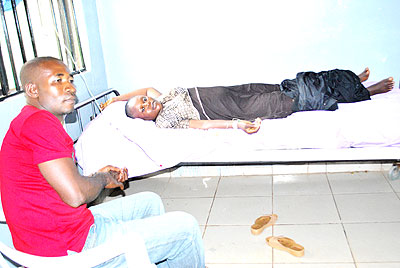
43, 195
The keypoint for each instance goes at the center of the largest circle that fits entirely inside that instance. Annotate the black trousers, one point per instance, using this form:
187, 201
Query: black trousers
246, 102
324, 90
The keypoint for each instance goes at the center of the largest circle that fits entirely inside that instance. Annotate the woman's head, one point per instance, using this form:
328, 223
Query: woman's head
143, 107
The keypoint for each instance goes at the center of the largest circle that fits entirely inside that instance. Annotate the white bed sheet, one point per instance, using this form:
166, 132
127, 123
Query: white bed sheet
368, 130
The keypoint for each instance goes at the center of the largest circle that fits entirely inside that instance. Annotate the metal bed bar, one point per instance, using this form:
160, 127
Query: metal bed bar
92, 103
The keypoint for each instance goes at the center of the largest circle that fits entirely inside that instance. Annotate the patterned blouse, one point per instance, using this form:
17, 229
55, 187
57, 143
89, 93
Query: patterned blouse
177, 109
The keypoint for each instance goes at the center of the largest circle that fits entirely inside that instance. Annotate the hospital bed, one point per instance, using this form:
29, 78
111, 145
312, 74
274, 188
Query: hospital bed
363, 131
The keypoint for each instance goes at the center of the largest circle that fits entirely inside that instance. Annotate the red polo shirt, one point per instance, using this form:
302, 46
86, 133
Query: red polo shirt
40, 222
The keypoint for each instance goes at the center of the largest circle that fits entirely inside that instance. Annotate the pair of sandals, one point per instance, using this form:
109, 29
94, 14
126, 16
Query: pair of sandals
278, 242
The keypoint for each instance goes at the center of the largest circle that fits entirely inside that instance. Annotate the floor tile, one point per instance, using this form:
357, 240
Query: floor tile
196, 171
165, 173
156, 185
362, 214
381, 207
374, 242
235, 244
394, 183
198, 207
239, 211
202, 228
358, 182
352, 167
323, 243
301, 209
301, 184
191, 187
289, 169
245, 186
246, 170
247, 265
315, 265
386, 166
317, 168
378, 265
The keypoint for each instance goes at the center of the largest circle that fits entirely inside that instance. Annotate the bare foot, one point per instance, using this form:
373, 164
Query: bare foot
364, 75
381, 87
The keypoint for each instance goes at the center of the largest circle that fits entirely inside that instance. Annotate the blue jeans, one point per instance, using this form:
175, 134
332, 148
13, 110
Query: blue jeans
174, 237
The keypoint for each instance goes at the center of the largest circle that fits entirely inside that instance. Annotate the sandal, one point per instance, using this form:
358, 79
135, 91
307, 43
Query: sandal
263, 222
285, 244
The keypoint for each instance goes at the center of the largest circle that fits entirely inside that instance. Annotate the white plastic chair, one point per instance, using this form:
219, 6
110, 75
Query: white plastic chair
136, 256
133, 247
134, 250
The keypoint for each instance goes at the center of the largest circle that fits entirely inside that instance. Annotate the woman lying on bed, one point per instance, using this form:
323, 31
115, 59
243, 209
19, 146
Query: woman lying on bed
237, 106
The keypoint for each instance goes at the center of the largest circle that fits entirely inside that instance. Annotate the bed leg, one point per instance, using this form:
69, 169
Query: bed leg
394, 172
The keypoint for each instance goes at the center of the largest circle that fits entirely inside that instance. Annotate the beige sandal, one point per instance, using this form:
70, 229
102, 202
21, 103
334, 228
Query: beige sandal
263, 222
286, 244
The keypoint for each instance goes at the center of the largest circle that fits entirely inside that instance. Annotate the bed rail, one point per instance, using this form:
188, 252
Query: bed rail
94, 111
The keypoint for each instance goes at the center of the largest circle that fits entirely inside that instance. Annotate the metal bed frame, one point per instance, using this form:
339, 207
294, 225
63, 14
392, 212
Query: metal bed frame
257, 159
92, 102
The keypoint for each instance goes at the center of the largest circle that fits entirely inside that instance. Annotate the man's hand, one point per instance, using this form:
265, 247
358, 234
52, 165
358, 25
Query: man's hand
75, 189
249, 127
116, 176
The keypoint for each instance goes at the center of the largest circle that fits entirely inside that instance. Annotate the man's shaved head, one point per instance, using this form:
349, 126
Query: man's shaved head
30, 71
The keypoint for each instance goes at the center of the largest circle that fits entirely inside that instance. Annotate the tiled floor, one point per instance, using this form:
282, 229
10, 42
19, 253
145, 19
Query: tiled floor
346, 220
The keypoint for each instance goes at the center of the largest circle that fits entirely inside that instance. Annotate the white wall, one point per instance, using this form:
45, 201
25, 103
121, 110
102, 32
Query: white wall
222, 42
168, 43
95, 76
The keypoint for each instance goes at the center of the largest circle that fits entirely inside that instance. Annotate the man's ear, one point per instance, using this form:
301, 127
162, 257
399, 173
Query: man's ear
31, 90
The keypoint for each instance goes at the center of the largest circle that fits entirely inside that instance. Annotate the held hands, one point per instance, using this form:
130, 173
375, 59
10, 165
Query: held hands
249, 127
116, 176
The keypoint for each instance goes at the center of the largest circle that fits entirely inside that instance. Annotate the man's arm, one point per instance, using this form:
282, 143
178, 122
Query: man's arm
76, 190
246, 126
148, 91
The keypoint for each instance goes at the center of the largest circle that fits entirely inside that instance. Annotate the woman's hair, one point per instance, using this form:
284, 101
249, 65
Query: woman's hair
128, 110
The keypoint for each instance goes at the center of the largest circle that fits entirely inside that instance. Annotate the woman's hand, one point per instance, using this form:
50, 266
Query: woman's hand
108, 102
246, 126
249, 127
